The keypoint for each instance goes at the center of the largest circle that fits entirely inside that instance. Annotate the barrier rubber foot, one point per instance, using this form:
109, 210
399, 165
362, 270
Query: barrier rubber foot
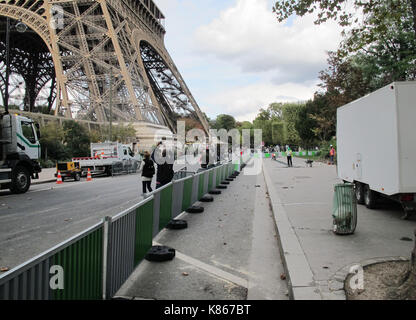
207, 199
195, 209
160, 254
225, 182
222, 187
215, 192
177, 225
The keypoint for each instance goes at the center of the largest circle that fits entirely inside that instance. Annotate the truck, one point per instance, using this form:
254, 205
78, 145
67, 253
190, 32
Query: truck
20, 151
108, 158
376, 142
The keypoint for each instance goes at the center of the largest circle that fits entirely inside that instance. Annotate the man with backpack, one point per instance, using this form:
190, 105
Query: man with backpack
148, 171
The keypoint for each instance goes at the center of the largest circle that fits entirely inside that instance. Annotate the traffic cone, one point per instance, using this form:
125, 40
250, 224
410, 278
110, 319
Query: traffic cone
59, 179
89, 178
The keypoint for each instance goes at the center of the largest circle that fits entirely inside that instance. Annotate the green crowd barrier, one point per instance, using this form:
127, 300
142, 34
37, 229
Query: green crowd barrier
144, 231
98, 261
82, 265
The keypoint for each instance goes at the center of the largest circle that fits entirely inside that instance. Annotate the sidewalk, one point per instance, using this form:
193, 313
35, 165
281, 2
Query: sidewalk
317, 260
47, 175
229, 252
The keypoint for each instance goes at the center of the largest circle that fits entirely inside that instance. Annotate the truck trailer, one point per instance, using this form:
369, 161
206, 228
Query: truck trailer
376, 142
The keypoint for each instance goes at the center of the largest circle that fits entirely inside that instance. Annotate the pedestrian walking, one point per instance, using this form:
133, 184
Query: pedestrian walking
147, 169
289, 154
332, 153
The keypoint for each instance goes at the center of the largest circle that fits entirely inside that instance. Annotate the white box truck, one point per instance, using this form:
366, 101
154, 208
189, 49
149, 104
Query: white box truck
376, 142
106, 157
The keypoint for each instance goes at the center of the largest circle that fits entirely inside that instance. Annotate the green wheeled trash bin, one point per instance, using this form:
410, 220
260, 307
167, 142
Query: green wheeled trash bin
345, 209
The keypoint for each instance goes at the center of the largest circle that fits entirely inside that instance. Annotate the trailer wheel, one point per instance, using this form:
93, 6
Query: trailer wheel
370, 197
359, 192
77, 177
20, 180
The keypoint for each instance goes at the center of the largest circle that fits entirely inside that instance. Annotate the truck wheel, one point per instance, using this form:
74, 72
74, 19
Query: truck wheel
359, 192
20, 180
77, 177
370, 197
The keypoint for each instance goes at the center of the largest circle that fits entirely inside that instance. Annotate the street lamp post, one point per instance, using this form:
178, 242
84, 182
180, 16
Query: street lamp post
6, 94
111, 104
20, 27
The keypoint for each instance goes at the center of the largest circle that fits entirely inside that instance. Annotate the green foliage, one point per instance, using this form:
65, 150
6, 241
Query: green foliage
305, 126
76, 139
278, 123
225, 121
290, 112
378, 47
52, 142
121, 133
46, 164
61, 143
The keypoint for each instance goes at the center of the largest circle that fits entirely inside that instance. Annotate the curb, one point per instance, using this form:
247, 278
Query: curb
301, 283
43, 182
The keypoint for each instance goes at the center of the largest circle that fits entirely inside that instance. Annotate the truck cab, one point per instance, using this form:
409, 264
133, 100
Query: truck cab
19, 152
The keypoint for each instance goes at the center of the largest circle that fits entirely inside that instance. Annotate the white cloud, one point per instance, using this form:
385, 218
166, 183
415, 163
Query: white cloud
249, 35
237, 58
244, 102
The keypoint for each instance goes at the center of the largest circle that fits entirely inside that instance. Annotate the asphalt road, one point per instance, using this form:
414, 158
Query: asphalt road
49, 213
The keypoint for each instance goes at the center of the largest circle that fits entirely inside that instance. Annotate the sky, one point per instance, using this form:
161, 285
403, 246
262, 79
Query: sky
237, 58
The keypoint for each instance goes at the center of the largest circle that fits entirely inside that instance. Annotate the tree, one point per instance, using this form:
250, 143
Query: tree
52, 137
290, 113
305, 126
76, 139
336, 10
226, 122
120, 133
278, 133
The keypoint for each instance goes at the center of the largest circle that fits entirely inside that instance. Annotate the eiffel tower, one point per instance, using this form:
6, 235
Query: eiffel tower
96, 60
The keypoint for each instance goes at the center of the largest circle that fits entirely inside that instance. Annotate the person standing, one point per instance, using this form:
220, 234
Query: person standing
332, 154
164, 161
289, 154
147, 169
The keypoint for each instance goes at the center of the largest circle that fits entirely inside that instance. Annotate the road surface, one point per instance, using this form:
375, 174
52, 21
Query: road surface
49, 213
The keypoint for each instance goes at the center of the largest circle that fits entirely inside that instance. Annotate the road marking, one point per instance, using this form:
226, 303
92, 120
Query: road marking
211, 269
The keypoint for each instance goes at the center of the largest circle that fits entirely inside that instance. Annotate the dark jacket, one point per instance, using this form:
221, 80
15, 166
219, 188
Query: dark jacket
148, 168
165, 171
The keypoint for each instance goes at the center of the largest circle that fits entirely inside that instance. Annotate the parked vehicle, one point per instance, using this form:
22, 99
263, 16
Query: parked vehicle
19, 152
376, 142
69, 170
109, 158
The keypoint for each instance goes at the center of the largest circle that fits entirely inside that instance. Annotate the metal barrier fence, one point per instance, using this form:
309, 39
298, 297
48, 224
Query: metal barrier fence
126, 167
95, 264
80, 262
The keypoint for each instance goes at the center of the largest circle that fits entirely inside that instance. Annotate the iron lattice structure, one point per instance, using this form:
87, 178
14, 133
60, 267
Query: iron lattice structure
78, 57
